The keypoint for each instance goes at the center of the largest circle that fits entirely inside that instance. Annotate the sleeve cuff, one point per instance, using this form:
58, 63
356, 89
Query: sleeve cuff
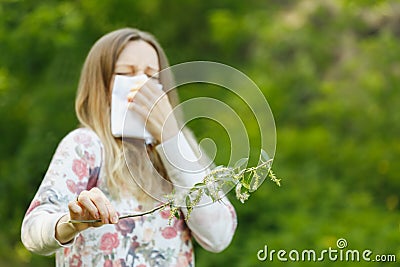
180, 161
50, 225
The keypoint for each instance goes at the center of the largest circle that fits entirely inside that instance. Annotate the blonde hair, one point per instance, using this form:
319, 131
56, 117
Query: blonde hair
92, 107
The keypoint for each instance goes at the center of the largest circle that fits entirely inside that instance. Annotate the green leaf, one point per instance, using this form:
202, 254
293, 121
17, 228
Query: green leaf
206, 191
246, 185
177, 215
199, 185
187, 200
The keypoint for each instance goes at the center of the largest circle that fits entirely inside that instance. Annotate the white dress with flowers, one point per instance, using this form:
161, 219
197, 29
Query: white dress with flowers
142, 241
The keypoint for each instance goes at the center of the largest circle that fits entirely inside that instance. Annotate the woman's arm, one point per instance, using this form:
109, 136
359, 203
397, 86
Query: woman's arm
75, 162
212, 224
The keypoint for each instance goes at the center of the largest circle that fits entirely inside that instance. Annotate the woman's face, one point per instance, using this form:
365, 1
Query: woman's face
138, 57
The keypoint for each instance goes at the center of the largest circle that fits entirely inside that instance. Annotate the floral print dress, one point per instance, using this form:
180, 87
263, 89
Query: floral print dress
149, 240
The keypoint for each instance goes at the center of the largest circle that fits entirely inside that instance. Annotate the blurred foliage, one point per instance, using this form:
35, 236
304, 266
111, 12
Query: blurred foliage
329, 69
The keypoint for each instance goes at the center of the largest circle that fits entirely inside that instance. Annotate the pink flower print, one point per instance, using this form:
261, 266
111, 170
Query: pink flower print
80, 241
119, 263
189, 255
71, 186
75, 187
108, 242
34, 204
169, 232
75, 261
125, 226
80, 186
67, 251
165, 213
141, 265
179, 225
83, 139
134, 244
182, 260
89, 158
79, 167
108, 263
93, 178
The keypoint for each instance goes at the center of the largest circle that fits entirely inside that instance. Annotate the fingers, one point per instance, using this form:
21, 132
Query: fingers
153, 105
85, 201
149, 100
148, 108
96, 204
150, 89
141, 110
74, 208
131, 95
153, 87
144, 100
149, 94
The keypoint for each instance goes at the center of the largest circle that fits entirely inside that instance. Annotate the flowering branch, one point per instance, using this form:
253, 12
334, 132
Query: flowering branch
221, 179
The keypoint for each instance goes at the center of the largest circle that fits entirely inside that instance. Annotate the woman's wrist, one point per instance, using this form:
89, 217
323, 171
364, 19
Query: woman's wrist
65, 232
169, 131
180, 161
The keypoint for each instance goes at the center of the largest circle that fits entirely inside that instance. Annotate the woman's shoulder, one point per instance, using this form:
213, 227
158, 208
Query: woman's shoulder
83, 136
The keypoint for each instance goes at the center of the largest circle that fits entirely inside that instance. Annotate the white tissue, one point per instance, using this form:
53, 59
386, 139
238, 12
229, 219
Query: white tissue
125, 122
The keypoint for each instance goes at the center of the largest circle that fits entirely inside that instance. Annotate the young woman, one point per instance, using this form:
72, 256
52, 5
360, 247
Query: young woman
97, 175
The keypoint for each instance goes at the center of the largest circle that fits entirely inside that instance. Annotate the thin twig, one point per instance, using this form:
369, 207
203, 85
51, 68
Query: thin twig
124, 216
256, 167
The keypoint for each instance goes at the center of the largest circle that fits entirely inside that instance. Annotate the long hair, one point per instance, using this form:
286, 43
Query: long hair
92, 107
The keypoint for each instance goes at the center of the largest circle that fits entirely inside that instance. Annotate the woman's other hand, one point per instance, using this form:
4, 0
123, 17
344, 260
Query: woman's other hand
153, 105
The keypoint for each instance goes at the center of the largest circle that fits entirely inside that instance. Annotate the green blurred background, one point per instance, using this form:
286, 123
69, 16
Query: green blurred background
329, 69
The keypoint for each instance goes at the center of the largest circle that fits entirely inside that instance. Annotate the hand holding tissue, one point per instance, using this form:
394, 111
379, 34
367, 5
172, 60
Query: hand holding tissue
126, 122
